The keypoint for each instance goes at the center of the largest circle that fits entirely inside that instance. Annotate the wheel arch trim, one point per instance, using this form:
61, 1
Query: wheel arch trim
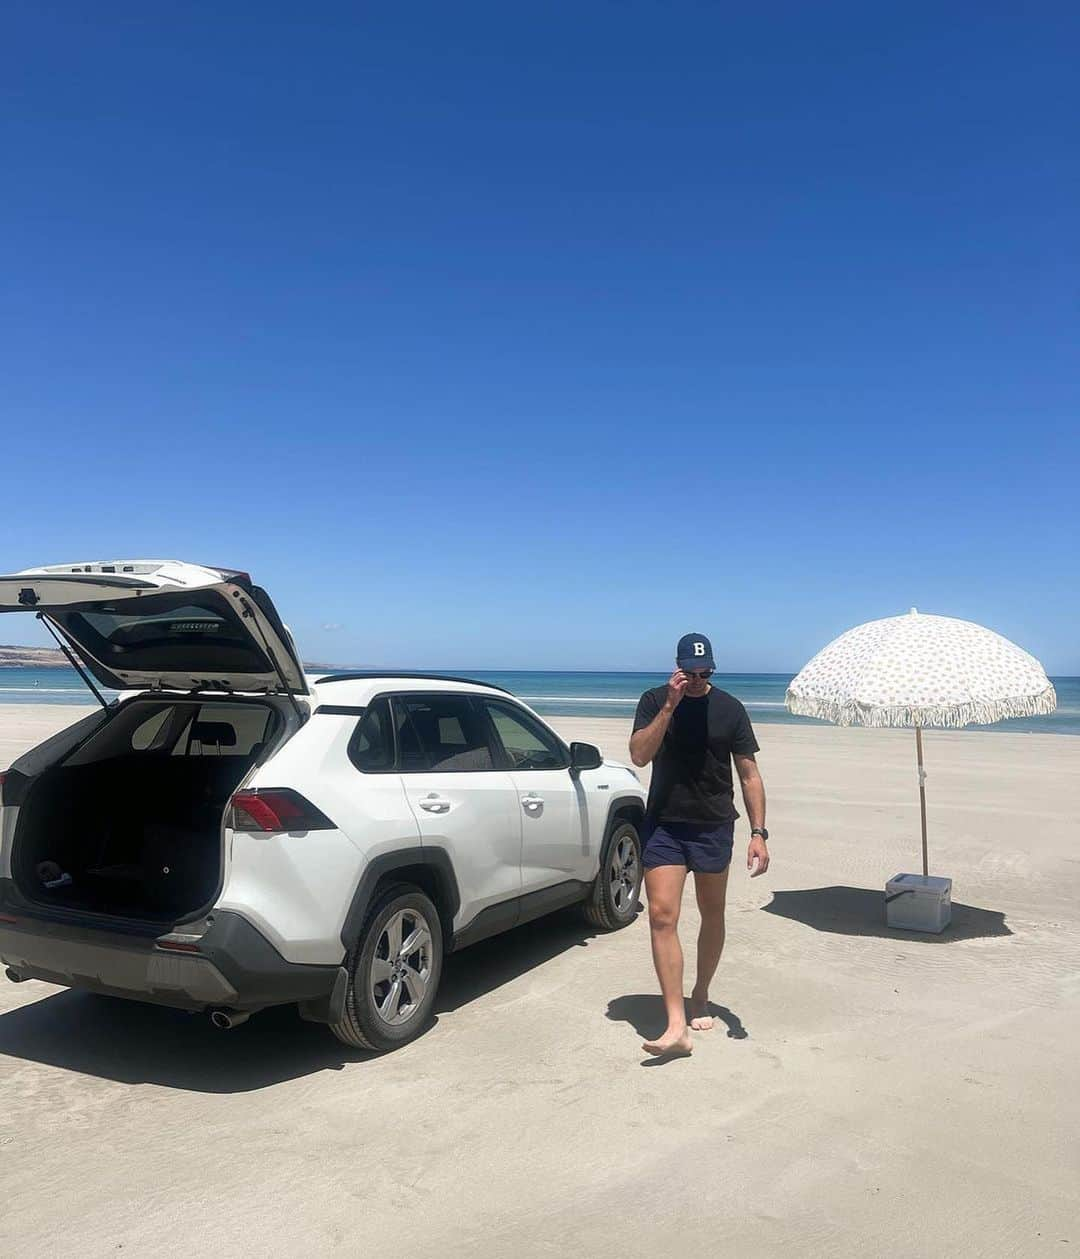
437, 860
619, 805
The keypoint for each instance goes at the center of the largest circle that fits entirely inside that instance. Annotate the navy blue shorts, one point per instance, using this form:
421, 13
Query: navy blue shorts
705, 847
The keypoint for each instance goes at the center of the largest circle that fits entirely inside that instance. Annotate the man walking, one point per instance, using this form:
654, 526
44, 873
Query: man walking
690, 731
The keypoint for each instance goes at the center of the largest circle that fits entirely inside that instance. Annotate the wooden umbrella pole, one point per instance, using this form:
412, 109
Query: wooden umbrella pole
922, 799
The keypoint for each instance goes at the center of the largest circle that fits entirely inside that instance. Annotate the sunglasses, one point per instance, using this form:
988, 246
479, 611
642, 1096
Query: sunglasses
698, 673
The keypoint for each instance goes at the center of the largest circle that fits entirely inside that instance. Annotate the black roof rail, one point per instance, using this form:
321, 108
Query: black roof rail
321, 680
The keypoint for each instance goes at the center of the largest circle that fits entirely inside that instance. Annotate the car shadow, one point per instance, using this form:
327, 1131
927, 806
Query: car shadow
135, 1043
645, 1013
860, 911
483, 967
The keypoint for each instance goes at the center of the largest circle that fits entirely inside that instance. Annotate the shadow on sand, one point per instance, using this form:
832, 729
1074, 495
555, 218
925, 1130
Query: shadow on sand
135, 1043
860, 911
488, 965
645, 1014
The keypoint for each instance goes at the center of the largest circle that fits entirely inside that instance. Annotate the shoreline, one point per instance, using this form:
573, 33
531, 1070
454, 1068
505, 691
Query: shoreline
559, 695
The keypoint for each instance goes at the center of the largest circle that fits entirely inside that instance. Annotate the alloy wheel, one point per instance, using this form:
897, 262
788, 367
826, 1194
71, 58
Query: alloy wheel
623, 875
401, 967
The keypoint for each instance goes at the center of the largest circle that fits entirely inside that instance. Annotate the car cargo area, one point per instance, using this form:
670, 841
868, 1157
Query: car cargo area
130, 824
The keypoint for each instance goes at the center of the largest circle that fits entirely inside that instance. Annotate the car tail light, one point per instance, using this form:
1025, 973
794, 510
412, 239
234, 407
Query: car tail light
276, 809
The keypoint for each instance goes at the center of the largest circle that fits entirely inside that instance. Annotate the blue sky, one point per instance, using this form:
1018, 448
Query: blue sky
534, 335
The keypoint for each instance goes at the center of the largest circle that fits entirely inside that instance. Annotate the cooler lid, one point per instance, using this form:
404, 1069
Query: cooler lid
920, 884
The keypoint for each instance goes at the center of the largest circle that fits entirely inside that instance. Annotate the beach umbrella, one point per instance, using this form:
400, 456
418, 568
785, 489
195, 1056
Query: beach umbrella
916, 671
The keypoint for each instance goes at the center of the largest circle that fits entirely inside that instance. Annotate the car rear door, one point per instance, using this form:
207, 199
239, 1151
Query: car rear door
463, 800
557, 845
153, 624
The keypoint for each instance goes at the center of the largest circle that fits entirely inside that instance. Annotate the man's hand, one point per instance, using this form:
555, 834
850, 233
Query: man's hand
676, 688
758, 848
645, 743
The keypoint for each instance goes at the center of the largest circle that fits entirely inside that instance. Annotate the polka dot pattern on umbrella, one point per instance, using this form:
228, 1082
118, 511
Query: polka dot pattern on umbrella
921, 670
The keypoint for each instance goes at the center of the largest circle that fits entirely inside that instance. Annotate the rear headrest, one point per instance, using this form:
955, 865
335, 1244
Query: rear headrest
216, 732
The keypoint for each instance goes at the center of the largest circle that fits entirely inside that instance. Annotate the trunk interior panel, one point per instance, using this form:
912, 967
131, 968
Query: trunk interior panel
130, 824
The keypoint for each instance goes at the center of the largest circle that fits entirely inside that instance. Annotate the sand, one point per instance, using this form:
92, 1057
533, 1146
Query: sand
869, 1092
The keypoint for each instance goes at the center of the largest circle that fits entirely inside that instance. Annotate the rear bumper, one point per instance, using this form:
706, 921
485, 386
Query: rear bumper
234, 967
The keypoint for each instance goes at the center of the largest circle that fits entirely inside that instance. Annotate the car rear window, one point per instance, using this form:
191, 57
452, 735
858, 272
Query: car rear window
166, 633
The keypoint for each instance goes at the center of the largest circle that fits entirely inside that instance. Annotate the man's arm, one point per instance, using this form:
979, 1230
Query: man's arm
645, 743
753, 794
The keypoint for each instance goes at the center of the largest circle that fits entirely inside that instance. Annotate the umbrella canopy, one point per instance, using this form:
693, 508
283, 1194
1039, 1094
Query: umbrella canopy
919, 670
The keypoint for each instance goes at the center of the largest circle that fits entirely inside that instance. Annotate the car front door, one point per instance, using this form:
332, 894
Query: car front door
463, 800
557, 844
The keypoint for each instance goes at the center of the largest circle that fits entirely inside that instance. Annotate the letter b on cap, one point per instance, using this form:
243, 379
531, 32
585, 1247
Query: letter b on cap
699, 649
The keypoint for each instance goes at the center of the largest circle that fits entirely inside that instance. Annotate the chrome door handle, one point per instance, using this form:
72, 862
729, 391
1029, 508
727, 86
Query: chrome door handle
435, 804
532, 802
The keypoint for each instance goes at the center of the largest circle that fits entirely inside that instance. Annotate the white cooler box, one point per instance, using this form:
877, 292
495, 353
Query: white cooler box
918, 902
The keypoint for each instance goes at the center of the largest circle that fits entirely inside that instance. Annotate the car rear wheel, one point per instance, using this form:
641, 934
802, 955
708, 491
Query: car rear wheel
614, 898
394, 970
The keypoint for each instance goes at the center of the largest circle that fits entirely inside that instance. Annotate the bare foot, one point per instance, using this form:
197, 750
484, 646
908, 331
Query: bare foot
700, 1018
672, 1044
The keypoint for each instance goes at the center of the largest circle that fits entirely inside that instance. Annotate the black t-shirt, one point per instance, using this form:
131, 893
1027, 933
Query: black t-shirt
691, 777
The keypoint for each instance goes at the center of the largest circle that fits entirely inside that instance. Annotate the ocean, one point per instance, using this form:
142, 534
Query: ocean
575, 694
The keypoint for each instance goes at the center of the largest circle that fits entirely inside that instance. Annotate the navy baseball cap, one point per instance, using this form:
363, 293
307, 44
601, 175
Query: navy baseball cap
694, 652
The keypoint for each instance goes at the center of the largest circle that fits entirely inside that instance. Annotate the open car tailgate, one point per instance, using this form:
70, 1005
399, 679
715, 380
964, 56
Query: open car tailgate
162, 624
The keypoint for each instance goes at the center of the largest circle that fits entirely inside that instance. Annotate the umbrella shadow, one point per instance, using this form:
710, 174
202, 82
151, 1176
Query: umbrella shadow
860, 911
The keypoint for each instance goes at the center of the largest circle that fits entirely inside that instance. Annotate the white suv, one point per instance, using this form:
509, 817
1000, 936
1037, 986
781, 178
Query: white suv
231, 834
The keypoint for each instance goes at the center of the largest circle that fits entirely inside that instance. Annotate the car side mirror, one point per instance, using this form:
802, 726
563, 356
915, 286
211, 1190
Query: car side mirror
584, 756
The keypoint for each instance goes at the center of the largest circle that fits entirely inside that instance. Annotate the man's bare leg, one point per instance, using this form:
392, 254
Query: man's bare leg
664, 888
711, 892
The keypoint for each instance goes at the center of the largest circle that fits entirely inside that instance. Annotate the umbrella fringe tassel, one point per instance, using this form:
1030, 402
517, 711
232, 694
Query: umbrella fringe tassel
950, 716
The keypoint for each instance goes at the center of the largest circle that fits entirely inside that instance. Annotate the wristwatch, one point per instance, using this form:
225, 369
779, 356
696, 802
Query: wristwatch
760, 830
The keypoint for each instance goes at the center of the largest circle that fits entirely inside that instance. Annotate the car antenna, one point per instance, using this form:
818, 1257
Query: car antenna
72, 661
248, 612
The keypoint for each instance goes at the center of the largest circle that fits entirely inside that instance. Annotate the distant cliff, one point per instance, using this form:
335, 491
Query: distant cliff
32, 658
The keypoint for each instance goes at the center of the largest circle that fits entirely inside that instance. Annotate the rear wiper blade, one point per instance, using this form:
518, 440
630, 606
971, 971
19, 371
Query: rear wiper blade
72, 661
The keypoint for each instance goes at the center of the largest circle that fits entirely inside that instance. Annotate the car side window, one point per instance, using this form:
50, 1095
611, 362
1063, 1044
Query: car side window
528, 744
148, 734
445, 733
371, 748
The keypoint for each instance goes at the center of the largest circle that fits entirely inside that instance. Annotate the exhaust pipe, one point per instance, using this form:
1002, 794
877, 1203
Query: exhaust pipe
228, 1019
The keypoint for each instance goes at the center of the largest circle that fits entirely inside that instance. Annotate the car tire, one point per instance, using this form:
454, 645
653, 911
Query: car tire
613, 900
391, 995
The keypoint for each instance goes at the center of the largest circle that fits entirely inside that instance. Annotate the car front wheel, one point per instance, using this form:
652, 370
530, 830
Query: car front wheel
614, 898
394, 970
